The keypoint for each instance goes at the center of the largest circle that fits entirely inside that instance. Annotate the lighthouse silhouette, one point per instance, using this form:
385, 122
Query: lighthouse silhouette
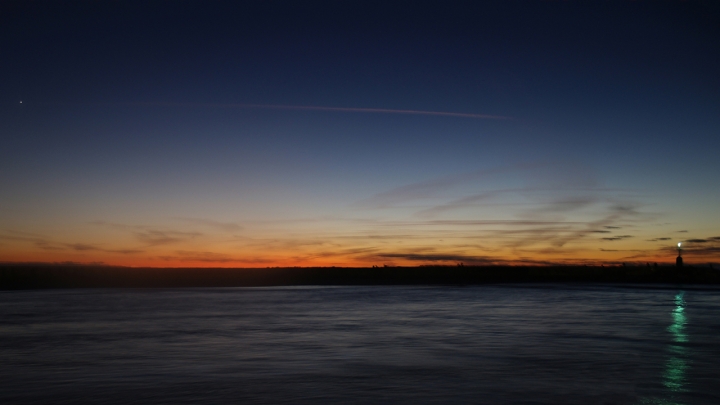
679, 261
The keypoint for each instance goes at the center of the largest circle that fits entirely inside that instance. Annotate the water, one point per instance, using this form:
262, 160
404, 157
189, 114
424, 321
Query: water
550, 344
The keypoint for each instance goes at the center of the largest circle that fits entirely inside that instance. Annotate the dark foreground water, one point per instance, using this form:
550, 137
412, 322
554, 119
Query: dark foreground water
550, 344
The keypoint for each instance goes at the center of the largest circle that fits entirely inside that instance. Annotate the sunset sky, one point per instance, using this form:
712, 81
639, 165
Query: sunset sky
359, 133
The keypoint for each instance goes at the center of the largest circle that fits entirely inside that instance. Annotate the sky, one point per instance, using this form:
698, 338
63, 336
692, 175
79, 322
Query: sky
359, 133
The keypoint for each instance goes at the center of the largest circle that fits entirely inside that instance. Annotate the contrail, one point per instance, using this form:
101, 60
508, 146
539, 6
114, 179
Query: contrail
339, 109
307, 108
372, 110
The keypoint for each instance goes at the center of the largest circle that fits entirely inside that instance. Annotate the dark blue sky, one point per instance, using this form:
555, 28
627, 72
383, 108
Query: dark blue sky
130, 115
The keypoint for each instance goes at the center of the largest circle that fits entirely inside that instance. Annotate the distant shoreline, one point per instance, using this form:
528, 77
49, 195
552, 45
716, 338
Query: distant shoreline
48, 276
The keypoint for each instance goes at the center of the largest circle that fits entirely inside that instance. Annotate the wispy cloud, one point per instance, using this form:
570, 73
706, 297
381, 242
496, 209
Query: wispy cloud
476, 223
152, 236
455, 204
704, 251
223, 226
434, 187
156, 237
39, 241
619, 237
562, 233
450, 258
88, 247
547, 191
561, 206
210, 257
94, 248
343, 252
436, 257
45, 243
558, 204
695, 249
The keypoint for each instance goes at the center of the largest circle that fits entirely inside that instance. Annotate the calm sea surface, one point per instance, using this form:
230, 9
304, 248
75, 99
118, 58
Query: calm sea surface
539, 344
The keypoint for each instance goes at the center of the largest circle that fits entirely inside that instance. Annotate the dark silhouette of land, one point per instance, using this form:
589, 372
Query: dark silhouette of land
41, 276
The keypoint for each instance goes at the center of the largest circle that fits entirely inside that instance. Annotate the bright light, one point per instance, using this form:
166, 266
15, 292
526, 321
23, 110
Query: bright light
679, 243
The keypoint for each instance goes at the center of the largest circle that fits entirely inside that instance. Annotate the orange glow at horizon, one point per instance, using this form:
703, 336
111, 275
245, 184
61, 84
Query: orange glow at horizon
463, 218
314, 253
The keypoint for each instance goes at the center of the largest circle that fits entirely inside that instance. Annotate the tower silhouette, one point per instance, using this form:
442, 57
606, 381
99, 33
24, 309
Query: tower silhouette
679, 260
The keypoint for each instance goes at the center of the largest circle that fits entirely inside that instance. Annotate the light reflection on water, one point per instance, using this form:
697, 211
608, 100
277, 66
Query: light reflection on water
362, 345
677, 365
